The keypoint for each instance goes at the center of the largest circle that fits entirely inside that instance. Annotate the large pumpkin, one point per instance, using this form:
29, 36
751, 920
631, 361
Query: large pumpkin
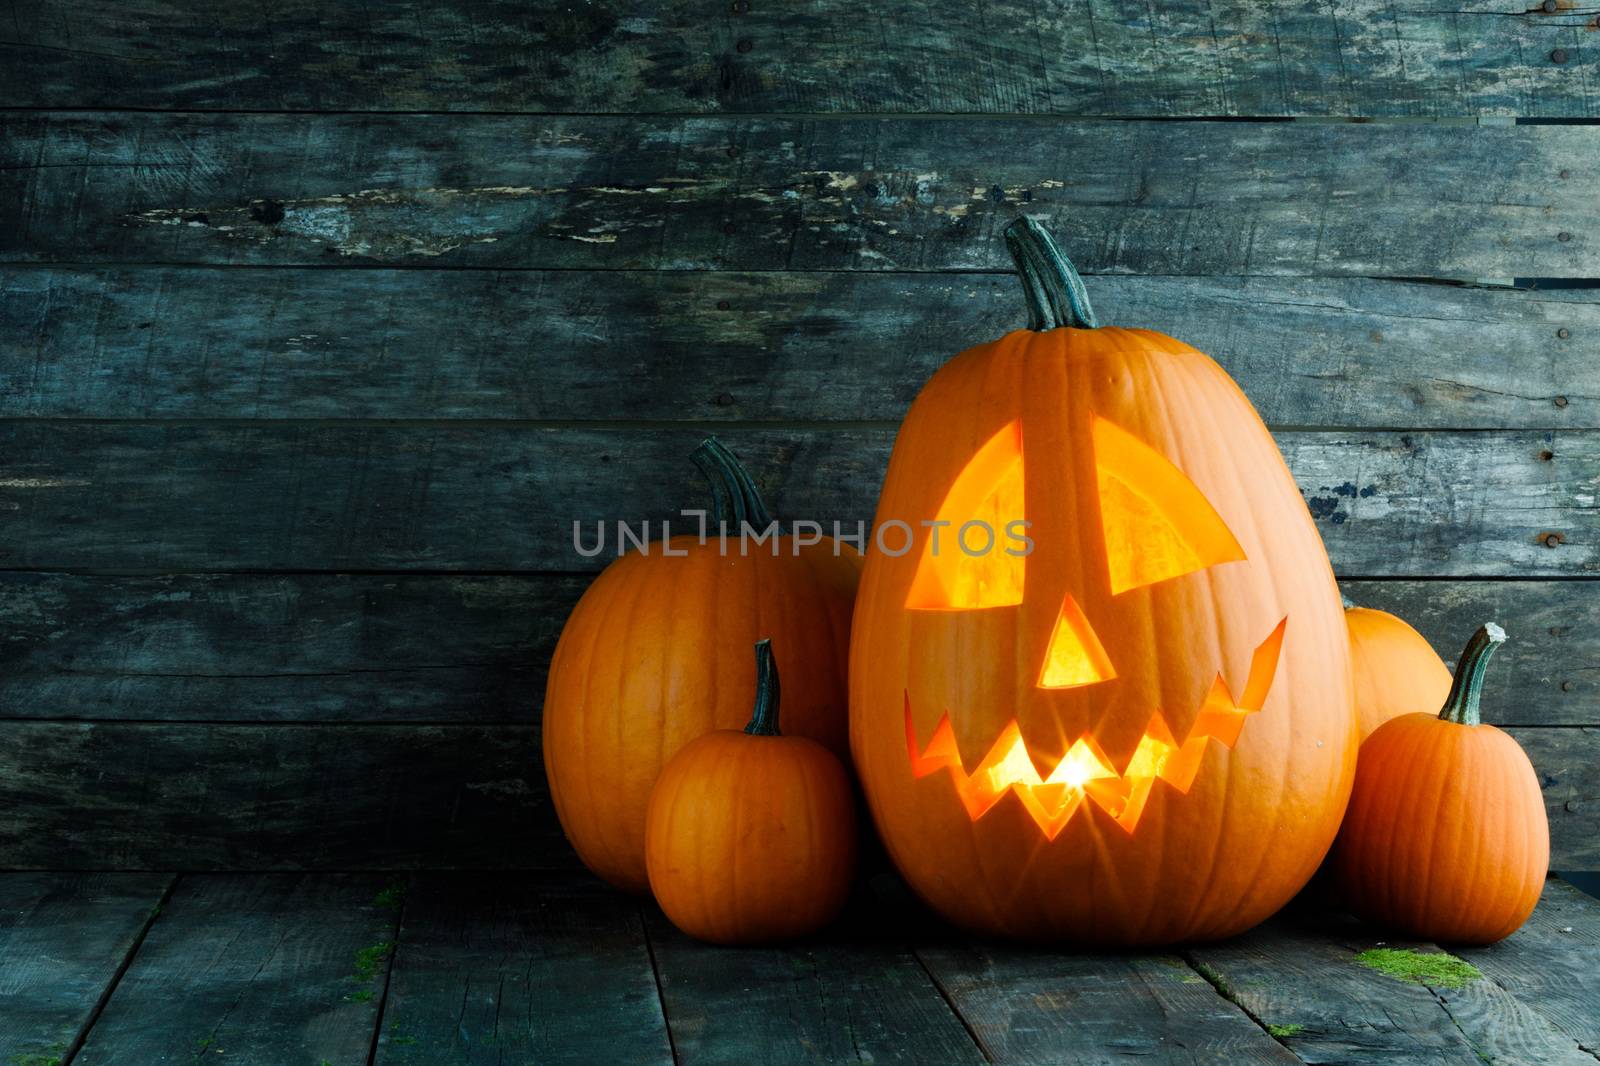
654, 655
1140, 730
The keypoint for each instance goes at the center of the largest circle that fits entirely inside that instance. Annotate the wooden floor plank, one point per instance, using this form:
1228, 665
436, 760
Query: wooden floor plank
1299, 974
253, 970
1552, 964
485, 496
1278, 199
1184, 57
854, 993
259, 343
472, 649
1037, 1007
497, 968
63, 938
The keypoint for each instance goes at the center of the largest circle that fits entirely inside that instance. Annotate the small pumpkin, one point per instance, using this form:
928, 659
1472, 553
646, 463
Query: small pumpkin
751, 836
1446, 837
644, 663
1394, 668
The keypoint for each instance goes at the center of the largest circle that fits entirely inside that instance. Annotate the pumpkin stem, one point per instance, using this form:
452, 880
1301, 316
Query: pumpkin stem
764, 719
1461, 706
1055, 292
734, 496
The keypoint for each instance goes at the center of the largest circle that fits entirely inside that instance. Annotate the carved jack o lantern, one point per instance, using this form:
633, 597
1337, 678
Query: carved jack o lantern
1140, 730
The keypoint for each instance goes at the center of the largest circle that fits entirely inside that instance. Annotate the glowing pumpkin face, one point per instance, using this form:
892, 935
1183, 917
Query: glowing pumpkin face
1139, 731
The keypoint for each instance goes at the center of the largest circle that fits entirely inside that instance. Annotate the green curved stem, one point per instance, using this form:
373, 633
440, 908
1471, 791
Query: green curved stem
764, 718
734, 497
1055, 292
1461, 706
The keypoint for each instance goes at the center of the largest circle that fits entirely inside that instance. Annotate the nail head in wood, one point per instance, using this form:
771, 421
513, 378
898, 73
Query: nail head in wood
746, 44
1563, 333
1558, 56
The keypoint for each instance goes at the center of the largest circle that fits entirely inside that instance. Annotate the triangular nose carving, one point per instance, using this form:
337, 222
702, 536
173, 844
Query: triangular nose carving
1075, 656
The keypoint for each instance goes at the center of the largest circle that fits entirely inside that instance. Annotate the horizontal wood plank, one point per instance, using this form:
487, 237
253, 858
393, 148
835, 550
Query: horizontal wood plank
502, 968
63, 939
1567, 761
172, 342
1299, 975
498, 497
1182, 57
161, 797
149, 796
472, 649
1552, 964
1146, 198
256, 970
281, 647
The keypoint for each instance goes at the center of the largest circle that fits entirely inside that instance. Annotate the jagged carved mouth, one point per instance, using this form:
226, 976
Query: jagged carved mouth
1084, 772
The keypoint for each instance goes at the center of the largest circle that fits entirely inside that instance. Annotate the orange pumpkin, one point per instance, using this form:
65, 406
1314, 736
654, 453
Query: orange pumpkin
751, 836
1394, 667
1446, 837
1137, 728
644, 664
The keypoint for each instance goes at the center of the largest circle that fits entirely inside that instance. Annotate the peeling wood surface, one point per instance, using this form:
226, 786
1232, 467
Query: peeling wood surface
1300, 973
63, 937
1181, 57
159, 796
1553, 963
1283, 199
256, 969
497, 968
472, 649
173, 342
317, 496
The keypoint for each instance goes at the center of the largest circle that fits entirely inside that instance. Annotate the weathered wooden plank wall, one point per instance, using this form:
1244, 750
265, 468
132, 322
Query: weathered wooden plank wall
299, 395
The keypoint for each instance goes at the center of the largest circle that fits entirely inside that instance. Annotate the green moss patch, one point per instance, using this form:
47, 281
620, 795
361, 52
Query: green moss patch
391, 897
1437, 968
1283, 1032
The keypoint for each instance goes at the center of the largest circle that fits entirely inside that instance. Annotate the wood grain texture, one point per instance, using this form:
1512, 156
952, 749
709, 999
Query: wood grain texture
318, 496
500, 968
261, 797
1552, 964
853, 993
1283, 199
281, 647
1036, 1007
253, 969
1182, 57
1299, 972
1567, 761
63, 937
473, 649
173, 342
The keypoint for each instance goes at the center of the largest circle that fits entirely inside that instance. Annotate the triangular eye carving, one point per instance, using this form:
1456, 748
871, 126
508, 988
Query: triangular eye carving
1075, 656
1157, 524
988, 490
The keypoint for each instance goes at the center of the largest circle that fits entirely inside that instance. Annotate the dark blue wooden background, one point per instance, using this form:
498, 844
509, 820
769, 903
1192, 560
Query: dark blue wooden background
320, 323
